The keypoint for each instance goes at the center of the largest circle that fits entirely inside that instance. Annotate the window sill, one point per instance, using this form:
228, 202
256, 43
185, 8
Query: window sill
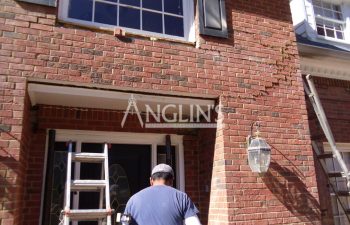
128, 32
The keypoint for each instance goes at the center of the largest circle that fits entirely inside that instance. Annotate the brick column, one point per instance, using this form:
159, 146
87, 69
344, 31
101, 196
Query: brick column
14, 139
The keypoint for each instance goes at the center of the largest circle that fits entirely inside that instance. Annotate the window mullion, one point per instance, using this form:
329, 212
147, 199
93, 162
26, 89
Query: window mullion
118, 14
93, 11
163, 22
141, 12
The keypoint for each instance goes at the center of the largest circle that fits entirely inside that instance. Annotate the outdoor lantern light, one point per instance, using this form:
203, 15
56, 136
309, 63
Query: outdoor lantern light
259, 152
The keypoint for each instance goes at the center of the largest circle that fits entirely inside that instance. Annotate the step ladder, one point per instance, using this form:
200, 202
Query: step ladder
311, 92
102, 186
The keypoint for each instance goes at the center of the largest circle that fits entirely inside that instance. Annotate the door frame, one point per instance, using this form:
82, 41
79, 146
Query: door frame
152, 139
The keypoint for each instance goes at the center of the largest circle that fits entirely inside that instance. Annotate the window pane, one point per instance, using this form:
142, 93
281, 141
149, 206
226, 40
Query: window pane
106, 13
320, 31
330, 33
174, 25
80, 9
130, 2
336, 8
129, 17
173, 6
328, 13
152, 4
318, 11
327, 5
338, 16
316, 2
152, 22
340, 35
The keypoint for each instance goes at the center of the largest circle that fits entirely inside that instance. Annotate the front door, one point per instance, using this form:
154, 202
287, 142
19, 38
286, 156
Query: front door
129, 171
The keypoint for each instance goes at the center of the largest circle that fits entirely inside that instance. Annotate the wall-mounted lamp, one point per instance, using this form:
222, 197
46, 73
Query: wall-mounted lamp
259, 152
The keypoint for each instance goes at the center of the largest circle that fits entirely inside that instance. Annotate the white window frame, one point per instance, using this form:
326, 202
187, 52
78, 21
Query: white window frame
346, 24
188, 17
152, 139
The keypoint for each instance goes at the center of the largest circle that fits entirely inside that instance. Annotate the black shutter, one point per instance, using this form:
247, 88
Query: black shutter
52, 3
213, 18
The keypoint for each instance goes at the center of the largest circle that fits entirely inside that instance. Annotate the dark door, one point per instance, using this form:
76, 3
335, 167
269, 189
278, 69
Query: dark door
55, 185
129, 172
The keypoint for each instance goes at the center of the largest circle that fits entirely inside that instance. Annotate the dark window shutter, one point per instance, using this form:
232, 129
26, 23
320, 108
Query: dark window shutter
52, 3
213, 18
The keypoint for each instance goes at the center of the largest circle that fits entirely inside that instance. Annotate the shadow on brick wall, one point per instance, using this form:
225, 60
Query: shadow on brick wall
292, 193
7, 180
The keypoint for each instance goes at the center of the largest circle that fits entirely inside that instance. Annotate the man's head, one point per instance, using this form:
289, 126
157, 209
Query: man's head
162, 174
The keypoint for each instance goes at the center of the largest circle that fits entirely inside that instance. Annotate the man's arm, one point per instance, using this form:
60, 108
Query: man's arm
193, 220
190, 212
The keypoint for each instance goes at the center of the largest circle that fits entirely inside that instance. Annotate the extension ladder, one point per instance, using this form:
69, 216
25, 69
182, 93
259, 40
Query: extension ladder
311, 91
101, 186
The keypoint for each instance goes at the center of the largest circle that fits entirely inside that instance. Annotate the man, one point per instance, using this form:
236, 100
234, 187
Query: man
161, 204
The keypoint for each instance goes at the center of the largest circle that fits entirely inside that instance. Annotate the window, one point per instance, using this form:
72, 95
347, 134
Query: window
339, 183
164, 18
329, 20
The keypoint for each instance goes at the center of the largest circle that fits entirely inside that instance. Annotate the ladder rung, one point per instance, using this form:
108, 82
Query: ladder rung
335, 174
343, 193
325, 156
88, 157
88, 214
87, 185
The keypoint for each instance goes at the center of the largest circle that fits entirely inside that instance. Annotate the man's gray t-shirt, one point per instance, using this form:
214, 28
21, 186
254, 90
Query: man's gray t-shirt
160, 205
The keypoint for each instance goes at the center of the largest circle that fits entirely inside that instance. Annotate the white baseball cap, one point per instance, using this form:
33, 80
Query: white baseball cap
162, 168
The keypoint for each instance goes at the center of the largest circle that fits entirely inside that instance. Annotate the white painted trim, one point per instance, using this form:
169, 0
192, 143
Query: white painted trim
324, 68
34, 80
188, 19
342, 147
189, 25
154, 155
115, 137
181, 165
42, 89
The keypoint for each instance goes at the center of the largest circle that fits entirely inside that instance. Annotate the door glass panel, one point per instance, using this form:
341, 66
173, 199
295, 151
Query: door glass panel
58, 181
119, 187
130, 169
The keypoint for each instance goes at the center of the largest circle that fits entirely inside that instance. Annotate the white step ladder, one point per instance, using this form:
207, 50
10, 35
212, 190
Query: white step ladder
88, 185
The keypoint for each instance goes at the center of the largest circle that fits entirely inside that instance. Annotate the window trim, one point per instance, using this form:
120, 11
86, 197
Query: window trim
344, 22
188, 18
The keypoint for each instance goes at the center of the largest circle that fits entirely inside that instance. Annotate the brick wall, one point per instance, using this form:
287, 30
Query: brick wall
255, 74
335, 99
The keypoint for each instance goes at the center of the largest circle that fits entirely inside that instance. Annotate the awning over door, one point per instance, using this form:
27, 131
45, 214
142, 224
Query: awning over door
85, 97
